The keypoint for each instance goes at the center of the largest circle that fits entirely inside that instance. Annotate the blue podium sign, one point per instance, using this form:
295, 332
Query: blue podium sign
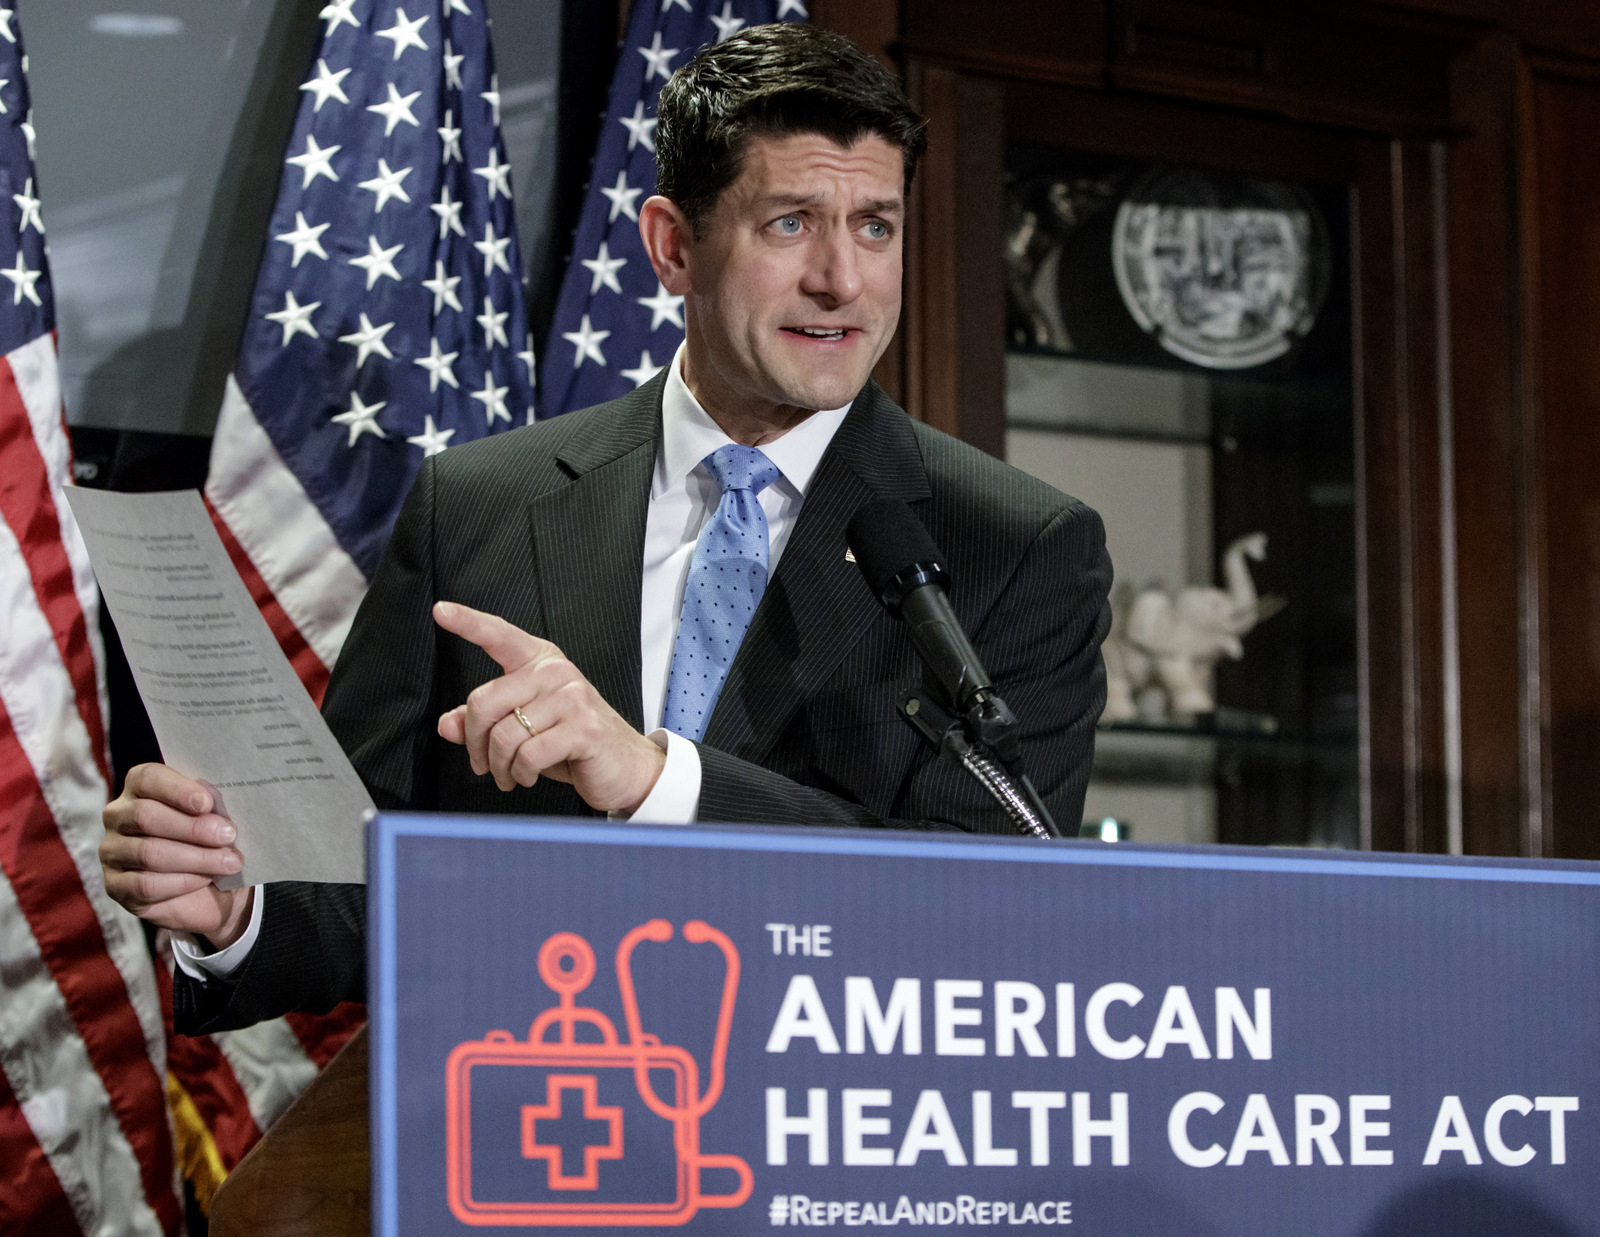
584, 1025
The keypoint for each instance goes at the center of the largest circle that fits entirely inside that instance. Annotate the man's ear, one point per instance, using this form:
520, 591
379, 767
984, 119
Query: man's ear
669, 241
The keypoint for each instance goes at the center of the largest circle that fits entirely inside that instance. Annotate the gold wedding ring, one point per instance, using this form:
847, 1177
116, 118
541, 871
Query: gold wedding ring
522, 718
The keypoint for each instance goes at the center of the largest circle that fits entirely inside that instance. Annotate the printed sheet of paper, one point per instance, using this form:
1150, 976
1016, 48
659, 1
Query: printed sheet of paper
226, 705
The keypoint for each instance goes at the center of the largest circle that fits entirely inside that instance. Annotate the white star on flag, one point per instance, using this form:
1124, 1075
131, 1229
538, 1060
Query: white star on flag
396, 110
727, 25
304, 239
337, 14
451, 137
294, 318
449, 214
5, 30
663, 307
639, 129
457, 6
622, 198
315, 161
682, 4
431, 440
440, 366
452, 66
4, 110
587, 340
403, 33
785, 7
361, 418
22, 281
325, 85
386, 185
493, 249
526, 357
604, 268
493, 399
378, 261
493, 324
29, 206
369, 339
443, 288
647, 370
491, 96
658, 58
496, 174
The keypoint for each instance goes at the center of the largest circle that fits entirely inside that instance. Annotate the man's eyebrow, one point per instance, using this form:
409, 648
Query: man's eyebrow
882, 206
877, 206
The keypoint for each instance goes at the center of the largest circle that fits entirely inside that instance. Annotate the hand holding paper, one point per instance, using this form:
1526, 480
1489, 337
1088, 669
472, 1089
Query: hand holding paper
163, 850
227, 709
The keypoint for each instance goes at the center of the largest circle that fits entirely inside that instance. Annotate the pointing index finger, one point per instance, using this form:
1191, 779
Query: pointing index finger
505, 642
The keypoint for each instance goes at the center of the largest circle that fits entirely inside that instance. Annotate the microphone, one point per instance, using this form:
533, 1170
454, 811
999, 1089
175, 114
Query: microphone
906, 573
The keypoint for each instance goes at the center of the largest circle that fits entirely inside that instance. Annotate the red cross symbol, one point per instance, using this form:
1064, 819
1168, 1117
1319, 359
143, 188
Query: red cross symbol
550, 1110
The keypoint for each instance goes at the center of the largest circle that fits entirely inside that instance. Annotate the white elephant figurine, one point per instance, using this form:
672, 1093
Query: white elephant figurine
1174, 643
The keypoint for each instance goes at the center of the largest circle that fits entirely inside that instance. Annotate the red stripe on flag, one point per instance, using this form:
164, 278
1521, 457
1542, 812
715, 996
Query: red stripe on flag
32, 1204
300, 654
206, 1075
322, 1035
47, 887
26, 505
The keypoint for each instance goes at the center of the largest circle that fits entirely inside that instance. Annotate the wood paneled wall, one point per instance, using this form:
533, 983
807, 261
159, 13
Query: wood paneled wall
1562, 278
1466, 130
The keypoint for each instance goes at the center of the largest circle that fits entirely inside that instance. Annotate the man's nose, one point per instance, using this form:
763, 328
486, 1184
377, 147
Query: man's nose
833, 269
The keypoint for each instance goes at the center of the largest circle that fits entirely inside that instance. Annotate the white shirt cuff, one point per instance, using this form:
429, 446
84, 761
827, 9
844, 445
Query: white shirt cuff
675, 798
225, 962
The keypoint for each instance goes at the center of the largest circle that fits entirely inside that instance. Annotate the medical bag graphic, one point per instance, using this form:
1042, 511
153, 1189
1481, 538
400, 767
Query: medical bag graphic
554, 1130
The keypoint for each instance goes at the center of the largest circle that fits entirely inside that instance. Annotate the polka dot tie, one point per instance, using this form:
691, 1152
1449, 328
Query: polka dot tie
727, 576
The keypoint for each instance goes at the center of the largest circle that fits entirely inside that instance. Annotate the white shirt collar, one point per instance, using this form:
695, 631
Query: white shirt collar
688, 435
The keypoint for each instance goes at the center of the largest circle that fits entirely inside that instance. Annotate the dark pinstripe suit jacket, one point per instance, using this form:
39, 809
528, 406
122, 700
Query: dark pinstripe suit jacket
545, 526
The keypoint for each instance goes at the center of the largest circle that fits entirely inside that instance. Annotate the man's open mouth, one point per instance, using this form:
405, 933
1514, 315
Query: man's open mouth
833, 335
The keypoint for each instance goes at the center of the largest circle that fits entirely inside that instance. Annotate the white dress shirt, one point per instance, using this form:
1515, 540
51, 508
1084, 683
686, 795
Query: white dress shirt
683, 494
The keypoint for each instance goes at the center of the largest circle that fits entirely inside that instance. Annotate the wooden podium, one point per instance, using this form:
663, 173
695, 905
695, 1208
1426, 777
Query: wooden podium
310, 1175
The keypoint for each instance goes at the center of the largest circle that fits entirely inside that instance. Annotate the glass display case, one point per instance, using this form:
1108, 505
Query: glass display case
1179, 356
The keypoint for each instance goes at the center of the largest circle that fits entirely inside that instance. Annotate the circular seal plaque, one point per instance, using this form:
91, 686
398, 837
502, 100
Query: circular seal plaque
1224, 273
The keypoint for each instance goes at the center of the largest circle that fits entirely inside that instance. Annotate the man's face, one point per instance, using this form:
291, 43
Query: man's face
794, 288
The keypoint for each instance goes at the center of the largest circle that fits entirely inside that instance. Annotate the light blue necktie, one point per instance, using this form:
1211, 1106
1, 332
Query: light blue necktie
727, 576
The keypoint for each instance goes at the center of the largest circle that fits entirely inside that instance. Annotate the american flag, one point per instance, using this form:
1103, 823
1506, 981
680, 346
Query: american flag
388, 319
387, 323
615, 326
84, 1140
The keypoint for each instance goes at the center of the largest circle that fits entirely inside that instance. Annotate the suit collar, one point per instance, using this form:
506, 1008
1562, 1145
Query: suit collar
877, 443
588, 540
608, 432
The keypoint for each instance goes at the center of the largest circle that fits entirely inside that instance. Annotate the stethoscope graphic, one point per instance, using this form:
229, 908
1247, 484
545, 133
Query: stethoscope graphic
566, 964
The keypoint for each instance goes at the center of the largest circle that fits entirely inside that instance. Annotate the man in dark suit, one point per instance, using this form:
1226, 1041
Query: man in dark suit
551, 595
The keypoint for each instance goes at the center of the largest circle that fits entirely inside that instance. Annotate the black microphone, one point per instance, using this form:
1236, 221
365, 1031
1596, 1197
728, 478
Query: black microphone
906, 572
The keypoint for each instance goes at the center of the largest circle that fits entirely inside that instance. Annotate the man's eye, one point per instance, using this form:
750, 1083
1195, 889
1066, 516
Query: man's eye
789, 225
877, 230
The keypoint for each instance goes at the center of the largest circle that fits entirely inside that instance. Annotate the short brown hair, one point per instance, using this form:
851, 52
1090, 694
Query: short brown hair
789, 77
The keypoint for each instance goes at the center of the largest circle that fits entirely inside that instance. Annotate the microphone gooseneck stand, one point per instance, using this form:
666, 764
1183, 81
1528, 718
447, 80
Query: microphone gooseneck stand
947, 736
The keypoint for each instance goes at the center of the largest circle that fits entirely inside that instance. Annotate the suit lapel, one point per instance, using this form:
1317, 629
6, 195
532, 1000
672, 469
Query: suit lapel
817, 606
588, 543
